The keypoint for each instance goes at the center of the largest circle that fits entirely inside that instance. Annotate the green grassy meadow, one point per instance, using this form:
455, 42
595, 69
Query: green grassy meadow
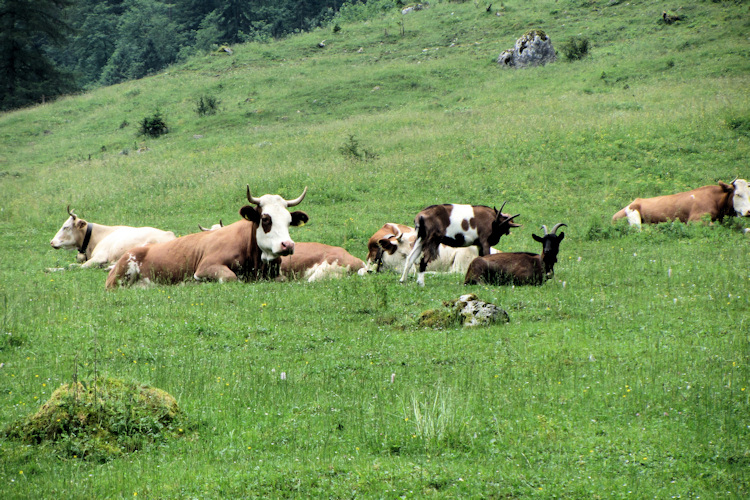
628, 375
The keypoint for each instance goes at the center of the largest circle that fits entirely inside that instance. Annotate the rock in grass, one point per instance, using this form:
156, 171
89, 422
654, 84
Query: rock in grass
100, 419
467, 310
534, 48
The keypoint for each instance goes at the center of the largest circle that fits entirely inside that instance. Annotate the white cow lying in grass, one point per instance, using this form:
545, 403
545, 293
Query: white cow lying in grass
99, 245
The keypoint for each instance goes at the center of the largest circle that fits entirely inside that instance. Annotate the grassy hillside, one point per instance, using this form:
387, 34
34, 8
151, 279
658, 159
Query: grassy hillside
626, 375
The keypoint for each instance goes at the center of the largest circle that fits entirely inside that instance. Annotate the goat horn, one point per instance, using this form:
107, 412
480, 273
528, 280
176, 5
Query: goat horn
545, 230
501, 208
250, 198
511, 218
558, 226
296, 201
732, 183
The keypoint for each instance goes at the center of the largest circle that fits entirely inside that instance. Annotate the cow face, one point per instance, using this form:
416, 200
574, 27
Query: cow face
71, 233
741, 198
273, 221
395, 249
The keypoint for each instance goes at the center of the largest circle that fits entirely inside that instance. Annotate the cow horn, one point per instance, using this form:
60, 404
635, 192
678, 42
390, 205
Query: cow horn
557, 226
221, 223
732, 183
203, 228
71, 213
297, 201
250, 198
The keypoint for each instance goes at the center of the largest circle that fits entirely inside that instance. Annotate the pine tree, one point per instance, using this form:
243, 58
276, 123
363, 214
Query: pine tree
27, 75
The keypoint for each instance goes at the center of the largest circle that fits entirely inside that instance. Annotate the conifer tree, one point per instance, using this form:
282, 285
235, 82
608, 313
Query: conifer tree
27, 74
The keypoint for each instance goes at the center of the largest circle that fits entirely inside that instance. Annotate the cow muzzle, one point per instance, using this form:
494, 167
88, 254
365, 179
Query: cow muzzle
287, 248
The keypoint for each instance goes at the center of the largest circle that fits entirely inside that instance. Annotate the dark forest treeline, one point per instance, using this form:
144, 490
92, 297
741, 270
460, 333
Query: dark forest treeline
52, 47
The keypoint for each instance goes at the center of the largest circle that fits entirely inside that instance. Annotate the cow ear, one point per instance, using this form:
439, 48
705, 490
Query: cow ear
80, 223
250, 213
299, 218
537, 238
385, 244
726, 187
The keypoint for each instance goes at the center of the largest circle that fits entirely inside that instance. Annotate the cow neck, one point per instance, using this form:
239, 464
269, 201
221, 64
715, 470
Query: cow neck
84, 246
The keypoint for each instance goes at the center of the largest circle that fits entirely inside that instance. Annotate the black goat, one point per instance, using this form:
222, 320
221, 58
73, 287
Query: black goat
518, 268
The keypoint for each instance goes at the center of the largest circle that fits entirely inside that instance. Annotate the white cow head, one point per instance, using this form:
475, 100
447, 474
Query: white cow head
71, 233
741, 199
273, 220
396, 249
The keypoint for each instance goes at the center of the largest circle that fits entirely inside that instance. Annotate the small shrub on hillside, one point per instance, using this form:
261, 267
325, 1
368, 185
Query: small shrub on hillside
576, 48
154, 126
740, 124
352, 150
207, 105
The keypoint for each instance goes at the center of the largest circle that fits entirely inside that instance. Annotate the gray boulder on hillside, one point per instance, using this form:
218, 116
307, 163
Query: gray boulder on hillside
534, 48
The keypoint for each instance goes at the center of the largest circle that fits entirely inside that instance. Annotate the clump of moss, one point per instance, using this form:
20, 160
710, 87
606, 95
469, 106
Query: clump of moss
439, 319
101, 419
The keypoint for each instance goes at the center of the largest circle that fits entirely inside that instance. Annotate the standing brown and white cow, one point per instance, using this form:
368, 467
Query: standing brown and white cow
99, 245
456, 226
246, 249
716, 201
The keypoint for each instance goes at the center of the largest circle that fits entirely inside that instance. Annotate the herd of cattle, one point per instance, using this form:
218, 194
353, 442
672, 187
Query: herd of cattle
448, 238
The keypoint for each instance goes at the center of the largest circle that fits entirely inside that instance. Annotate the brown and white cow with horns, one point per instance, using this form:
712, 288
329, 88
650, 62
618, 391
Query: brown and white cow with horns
716, 201
456, 226
245, 249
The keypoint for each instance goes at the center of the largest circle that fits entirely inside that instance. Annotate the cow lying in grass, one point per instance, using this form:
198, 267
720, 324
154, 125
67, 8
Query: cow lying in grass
313, 261
390, 246
714, 201
244, 249
99, 245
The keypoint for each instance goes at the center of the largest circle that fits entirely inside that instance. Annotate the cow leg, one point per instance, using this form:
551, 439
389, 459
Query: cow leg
215, 272
634, 217
412, 258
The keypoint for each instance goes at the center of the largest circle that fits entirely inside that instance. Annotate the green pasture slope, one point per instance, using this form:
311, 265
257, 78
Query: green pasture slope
625, 376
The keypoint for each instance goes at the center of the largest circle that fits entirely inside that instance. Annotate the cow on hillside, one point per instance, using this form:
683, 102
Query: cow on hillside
456, 226
715, 201
246, 249
99, 245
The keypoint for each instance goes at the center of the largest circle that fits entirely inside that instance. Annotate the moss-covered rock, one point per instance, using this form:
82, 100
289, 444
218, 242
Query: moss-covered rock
467, 310
102, 418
